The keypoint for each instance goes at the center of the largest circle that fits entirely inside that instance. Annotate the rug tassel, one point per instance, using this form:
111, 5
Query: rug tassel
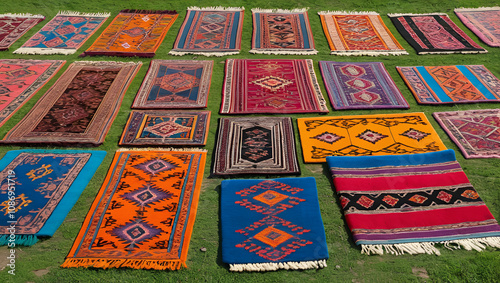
284, 52
162, 149
369, 53
22, 15
79, 14
117, 263
208, 54
326, 13
281, 11
44, 51
216, 8
462, 9
272, 266
18, 240
410, 14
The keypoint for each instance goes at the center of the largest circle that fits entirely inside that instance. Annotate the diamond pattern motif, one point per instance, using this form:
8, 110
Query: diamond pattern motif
272, 83
371, 136
155, 166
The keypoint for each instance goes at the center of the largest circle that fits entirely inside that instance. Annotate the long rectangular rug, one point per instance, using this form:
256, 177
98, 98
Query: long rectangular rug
272, 224
210, 31
434, 34
408, 203
359, 135
271, 86
13, 26
475, 132
173, 84
133, 33
360, 86
64, 34
20, 80
79, 108
358, 33
163, 128
484, 22
282, 32
39, 188
143, 216
451, 84
255, 145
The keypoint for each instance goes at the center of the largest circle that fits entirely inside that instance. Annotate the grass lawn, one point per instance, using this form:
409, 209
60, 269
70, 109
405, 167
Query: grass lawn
40, 263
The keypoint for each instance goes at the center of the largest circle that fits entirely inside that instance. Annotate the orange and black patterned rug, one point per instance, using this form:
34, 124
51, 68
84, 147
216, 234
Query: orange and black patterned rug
143, 216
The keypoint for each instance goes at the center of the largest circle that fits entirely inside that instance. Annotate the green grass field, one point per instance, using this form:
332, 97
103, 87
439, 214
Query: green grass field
40, 263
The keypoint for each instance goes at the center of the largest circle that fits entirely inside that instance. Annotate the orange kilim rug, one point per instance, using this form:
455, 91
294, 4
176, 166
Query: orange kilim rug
143, 216
381, 134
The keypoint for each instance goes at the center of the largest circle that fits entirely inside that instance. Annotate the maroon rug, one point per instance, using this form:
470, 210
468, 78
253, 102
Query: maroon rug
13, 26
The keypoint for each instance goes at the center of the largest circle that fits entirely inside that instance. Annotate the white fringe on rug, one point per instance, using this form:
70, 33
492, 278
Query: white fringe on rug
410, 14
282, 11
478, 244
453, 52
208, 54
78, 14
194, 149
26, 15
347, 13
272, 266
462, 9
284, 52
216, 8
368, 53
44, 51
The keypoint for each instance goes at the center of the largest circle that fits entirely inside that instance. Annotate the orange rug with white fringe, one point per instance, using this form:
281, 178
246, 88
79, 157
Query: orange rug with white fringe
143, 216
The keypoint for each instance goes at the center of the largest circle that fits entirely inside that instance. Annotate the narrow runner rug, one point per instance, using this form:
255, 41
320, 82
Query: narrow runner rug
360, 86
434, 34
64, 34
358, 33
381, 134
271, 86
133, 33
143, 216
408, 203
484, 22
175, 84
475, 132
13, 26
79, 108
159, 128
272, 224
451, 84
255, 145
44, 185
20, 80
210, 31
282, 32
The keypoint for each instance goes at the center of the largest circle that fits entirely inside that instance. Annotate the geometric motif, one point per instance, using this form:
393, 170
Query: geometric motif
133, 33
13, 26
282, 32
359, 135
451, 84
483, 22
64, 34
360, 86
254, 86
328, 137
256, 144
475, 132
143, 215
362, 33
434, 34
210, 32
175, 84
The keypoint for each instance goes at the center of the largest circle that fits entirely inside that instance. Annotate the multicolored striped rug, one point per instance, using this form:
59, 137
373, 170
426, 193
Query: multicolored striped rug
408, 203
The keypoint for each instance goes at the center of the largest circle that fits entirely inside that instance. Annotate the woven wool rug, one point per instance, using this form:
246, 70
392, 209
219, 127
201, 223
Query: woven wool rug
272, 224
271, 86
133, 33
210, 31
360, 86
143, 216
13, 26
358, 33
158, 128
64, 34
408, 203
255, 145
451, 84
20, 80
434, 34
282, 32
175, 84
475, 132
381, 134
44, 185
484, 22
79, 108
